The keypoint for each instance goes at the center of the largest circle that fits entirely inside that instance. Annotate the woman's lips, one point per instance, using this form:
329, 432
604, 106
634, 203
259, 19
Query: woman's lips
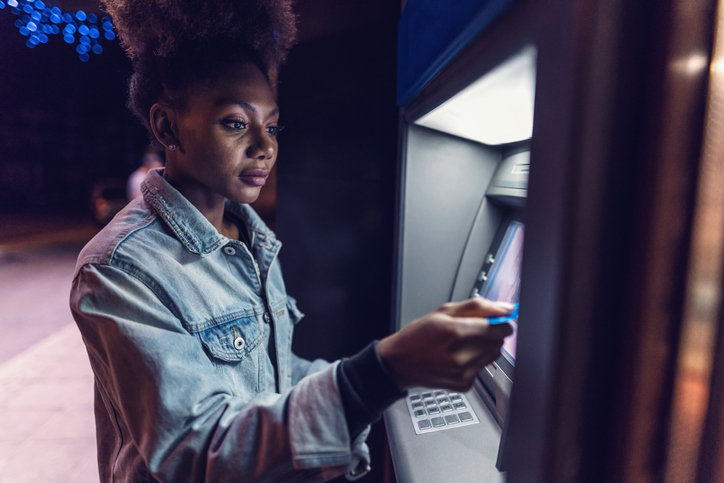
255, 177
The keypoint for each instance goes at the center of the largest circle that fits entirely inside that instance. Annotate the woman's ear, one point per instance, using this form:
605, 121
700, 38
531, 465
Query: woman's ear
162, 119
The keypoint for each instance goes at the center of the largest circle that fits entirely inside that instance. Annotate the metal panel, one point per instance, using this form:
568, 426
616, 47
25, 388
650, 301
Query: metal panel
446, 178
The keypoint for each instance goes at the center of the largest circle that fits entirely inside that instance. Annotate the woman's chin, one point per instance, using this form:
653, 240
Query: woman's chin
246, 196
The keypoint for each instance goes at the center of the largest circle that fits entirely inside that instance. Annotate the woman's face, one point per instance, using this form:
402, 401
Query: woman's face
227, 136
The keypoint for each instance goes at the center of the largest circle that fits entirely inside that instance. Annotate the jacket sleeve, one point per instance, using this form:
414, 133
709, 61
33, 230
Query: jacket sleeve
173, 407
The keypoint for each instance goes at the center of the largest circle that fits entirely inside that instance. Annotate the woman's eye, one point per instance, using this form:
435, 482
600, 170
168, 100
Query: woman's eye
236, 125
274, 130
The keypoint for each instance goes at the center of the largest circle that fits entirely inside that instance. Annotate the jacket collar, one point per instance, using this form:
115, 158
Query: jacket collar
192, 229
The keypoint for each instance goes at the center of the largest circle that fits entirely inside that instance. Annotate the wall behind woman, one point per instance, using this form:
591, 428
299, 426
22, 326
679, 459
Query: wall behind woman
336, 181
336, 173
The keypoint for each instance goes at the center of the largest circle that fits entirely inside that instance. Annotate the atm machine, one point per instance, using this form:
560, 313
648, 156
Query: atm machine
518, 118
466, 159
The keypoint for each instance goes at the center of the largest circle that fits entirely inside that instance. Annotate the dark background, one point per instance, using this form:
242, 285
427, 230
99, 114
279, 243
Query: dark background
64, 127
336, 180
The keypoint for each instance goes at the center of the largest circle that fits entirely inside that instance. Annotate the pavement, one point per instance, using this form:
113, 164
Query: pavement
47, 430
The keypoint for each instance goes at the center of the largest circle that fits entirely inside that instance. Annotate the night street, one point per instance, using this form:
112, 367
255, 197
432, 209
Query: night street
46, 385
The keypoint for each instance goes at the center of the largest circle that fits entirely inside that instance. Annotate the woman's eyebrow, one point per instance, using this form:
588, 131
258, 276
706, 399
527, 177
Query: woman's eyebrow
245, 105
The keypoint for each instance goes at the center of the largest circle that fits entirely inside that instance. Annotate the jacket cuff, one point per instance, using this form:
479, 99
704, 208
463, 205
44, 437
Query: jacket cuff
319, 434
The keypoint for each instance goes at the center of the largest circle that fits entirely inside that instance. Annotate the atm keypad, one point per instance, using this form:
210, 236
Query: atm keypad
438, 409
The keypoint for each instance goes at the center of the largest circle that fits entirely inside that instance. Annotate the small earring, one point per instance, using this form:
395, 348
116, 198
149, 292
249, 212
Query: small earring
172, 147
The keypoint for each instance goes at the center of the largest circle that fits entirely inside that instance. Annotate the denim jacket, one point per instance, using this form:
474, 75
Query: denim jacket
174, 317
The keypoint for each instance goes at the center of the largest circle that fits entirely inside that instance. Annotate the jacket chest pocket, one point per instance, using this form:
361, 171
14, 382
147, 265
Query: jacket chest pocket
232, 348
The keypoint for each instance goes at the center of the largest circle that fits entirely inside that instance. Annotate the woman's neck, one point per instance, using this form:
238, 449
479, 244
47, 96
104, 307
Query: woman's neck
210, 204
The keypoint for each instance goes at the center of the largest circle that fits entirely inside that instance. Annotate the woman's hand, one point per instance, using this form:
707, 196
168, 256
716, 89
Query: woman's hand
448, 347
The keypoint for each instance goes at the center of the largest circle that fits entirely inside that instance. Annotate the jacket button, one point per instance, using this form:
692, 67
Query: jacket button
266, 317
229, 250
239, 343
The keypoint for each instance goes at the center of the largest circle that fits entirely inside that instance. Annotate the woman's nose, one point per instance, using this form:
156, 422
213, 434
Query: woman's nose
262, 146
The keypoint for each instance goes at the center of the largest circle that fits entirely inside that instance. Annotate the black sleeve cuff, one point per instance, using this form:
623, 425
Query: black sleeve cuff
367, 388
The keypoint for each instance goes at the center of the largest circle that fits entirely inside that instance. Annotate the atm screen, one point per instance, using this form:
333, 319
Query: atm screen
503, 281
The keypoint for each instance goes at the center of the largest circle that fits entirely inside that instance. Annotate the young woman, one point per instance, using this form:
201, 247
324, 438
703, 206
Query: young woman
181, 300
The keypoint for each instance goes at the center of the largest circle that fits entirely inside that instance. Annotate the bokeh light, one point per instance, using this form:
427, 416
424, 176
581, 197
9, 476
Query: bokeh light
38, 21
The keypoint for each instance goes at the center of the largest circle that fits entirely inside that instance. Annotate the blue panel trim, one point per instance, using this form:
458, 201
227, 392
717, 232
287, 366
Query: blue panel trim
432, 32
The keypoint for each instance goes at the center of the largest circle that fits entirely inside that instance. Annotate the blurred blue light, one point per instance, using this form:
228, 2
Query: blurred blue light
2, 5
38, 20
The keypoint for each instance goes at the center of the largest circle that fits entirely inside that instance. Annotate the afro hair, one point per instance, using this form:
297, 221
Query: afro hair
161, 27
174, 43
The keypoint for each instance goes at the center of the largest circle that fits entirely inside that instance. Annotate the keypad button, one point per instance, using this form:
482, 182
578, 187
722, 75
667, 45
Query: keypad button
415, 397
466, 416
438, 422
429, 402
426, 394
442, 400
439, 393
419, 413
424, 424
432, 411
446, 408
459, 405
416, 405
451, 419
